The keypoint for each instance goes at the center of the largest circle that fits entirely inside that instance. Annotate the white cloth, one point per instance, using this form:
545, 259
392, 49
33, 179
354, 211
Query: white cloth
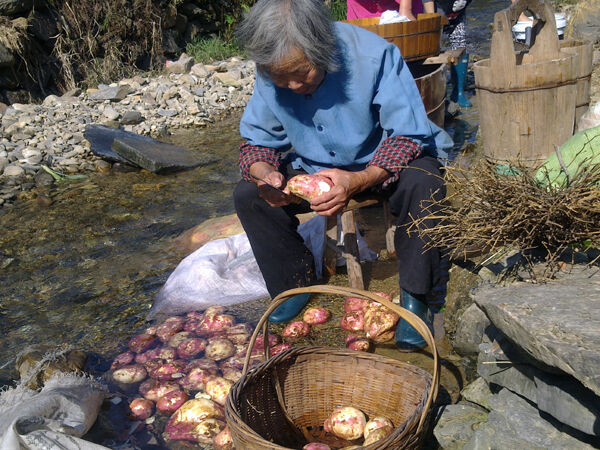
391, 16
54, 418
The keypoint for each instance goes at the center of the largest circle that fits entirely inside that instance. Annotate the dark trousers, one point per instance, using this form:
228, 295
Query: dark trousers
286, 262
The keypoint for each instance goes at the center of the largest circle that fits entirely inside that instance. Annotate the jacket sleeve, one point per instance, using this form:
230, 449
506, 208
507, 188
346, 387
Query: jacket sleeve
394, 154
250, 154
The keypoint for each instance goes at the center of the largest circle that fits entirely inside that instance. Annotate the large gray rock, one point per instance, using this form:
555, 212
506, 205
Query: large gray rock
561, 396
112, 93
12, 7
585, 21
478, 392
158, 157
557, 323
101, 138
457, 424
515, 424
469, 332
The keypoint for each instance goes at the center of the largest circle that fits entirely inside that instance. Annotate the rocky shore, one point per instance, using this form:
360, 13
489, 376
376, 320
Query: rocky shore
52, 133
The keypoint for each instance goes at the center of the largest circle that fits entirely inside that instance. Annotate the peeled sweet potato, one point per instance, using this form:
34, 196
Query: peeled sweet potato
309, 186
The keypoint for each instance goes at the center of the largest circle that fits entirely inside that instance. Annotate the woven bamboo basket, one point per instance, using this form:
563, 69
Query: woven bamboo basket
283, 402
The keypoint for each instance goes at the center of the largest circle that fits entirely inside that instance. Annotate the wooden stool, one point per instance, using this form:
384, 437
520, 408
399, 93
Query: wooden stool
349, 248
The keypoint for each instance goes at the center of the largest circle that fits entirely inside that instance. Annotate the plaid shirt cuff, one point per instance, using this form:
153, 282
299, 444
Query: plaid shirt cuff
250, 154
394, 154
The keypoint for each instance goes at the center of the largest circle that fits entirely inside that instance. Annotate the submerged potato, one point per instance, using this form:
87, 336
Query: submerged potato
190, 348
218, 388
169, 371
141, 408
195, 379
240, 333
259, 344
133, 373
223, 440
121, 360
219, 348
155, 390
142, 342
178, 338
198, 420
171, 401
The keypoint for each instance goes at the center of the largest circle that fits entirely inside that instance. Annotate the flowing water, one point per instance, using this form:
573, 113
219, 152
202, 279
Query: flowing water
84, 269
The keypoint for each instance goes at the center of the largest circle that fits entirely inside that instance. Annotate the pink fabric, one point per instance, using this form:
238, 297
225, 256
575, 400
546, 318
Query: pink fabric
359, 9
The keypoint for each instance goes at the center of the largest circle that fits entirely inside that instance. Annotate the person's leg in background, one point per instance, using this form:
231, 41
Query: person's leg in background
284, 261
418, 266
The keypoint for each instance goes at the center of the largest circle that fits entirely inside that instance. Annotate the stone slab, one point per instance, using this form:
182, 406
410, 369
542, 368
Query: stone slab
101, 138
158, 157
477, 392
112, 93
469, 332
457, 424
514, 424
556, 323
561, 396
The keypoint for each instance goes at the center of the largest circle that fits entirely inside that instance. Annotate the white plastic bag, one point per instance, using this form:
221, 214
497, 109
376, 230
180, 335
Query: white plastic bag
222, 272
225, 272
56, 417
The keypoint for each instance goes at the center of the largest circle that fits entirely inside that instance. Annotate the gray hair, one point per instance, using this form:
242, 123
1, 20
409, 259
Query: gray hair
273, 28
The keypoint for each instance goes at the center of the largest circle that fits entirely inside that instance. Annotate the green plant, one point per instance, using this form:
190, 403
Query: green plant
338, 9
207, 50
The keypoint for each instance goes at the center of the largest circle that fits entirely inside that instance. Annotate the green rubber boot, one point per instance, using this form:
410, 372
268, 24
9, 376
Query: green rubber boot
458, 76
407, 338
289, 309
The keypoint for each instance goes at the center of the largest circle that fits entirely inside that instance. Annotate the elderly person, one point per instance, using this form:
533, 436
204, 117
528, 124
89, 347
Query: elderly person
335, 99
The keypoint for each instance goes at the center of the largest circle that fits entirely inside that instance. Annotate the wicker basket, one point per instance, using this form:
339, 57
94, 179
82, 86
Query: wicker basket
283, 402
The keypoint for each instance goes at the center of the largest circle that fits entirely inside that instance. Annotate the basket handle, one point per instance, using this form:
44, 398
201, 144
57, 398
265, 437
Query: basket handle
545, 47
409, 316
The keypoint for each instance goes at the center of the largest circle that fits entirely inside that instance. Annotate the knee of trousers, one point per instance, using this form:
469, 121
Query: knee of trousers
245, 195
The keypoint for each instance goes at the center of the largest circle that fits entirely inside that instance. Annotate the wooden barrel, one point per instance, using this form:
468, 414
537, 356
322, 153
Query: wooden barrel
526, 101
416, 40
584, 50
431, 81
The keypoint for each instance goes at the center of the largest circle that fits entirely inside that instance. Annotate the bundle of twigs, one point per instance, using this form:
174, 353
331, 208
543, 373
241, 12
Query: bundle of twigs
489, 207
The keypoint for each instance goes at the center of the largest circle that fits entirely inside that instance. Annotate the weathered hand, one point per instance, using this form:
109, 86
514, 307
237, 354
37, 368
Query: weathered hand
272, 196
345, 185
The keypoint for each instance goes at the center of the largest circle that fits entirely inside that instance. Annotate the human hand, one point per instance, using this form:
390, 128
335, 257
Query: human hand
271, 185
345, 185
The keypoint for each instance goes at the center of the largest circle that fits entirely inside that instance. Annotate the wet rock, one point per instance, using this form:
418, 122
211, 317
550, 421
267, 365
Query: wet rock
477, 392
43, 178
112, 93
457, 424
13, 171
101, 138
469, 333
38, 363
156, 156
124, 168
557, 323
513, 423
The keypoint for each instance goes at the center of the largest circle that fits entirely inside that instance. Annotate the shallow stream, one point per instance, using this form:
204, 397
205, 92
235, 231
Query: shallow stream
84, 269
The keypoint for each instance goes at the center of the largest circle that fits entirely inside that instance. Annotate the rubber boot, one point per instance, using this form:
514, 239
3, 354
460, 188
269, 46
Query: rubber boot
289, 309
458, 76
407, 338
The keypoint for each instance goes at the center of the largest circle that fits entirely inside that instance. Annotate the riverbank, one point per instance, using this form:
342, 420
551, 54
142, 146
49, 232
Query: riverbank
186, 95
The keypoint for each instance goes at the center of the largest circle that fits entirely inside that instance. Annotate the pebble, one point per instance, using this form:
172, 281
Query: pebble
51, 133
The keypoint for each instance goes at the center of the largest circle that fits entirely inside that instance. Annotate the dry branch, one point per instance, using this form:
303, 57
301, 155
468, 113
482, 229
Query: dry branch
488, 209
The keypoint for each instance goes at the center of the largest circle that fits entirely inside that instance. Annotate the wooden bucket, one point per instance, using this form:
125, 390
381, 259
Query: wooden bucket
431, 81
584, 50
416, 40
526, 101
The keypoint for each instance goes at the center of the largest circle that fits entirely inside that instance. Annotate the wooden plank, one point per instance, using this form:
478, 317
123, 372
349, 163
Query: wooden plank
350, 252
330, 254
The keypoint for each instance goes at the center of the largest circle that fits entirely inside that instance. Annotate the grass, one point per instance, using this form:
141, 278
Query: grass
206, 50
338, 9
